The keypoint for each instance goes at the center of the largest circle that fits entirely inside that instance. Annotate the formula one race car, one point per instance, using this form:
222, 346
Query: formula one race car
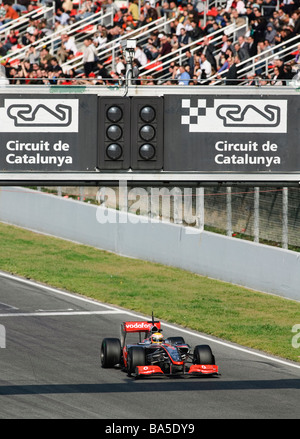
155, 356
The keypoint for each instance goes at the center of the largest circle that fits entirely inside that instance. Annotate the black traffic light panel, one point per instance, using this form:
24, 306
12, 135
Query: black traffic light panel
114, 133
147, 134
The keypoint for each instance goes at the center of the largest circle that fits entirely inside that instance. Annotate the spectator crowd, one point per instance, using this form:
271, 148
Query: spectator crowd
267, 24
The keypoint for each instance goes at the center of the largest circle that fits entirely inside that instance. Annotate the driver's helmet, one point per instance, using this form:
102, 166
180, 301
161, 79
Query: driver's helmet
157, 337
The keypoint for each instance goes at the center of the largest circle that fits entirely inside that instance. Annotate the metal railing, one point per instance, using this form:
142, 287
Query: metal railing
54, 39
250, 64
179, 54
112, 48
23, 20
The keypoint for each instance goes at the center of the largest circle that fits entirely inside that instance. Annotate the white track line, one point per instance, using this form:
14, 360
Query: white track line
58, 313
120, 311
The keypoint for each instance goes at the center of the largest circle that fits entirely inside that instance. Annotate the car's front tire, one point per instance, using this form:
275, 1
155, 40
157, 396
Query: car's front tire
203, 355
110, 354
136, 357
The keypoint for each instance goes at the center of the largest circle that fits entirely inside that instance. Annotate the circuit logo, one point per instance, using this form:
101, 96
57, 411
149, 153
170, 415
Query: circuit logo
36, 115
235, 116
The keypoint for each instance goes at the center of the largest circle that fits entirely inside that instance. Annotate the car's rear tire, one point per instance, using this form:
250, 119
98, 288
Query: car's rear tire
174, 340
110, 354
203, 355
136, 357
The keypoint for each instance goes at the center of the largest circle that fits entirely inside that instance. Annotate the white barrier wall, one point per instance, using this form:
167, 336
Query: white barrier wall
245, 263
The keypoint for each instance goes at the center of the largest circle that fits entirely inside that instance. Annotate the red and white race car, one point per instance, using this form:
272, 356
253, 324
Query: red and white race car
153, 355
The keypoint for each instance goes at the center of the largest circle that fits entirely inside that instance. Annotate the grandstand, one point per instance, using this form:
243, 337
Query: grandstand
209, 42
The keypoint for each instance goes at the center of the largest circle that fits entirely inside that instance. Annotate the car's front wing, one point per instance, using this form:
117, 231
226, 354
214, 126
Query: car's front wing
193, 370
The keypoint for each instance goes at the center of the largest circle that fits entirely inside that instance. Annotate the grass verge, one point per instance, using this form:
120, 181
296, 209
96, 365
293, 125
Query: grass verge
233, 313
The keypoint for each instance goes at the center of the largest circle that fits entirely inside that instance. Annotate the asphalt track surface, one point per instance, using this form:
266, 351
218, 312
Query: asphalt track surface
50, 367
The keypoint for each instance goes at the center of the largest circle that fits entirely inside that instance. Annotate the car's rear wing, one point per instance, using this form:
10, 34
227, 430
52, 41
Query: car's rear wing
140, 326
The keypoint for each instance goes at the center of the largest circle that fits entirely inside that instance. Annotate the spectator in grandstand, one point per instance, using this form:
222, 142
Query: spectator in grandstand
280, 18
165, 10
173, 9
244, 47
67, 6
190, 61
174, 42
58, 27
193, 14
225, 45
43, 28
10, 14
32, 28
277, 77
249, 12
242, 53
151, 49
270, 34
208, 48
238, 20
134, 9
63, 17
259, 25
32, 55
102, 72
262, 55
176, 72
2, 13
184, 76
109, 7
263, 80
288, 6
185, 20
114, 32
252, 46
54, 66
196, 32
27, 39
89, 56
268, 8
224, 64
288, 73
150, 13
3, 51
12, 74
100, 38
295, 62
128, 24
205, 68
120, 65
11, 40
296, 18
118, 18
135, 72
87, 9
21, 5
45, 56
68, 48
140, 55
194, 81
183, 38
232, 73
165, 46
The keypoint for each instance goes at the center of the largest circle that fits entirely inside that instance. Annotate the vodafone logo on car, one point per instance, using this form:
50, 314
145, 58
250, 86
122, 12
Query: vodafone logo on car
138, 326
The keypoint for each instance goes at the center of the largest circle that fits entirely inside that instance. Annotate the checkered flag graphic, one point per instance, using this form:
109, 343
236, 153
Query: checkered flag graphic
193, 113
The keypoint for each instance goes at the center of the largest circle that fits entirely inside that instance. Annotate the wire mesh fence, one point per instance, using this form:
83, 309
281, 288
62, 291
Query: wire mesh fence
269, 215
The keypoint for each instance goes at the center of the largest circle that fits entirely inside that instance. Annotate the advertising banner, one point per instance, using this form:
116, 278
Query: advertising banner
48, 133
220, 133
